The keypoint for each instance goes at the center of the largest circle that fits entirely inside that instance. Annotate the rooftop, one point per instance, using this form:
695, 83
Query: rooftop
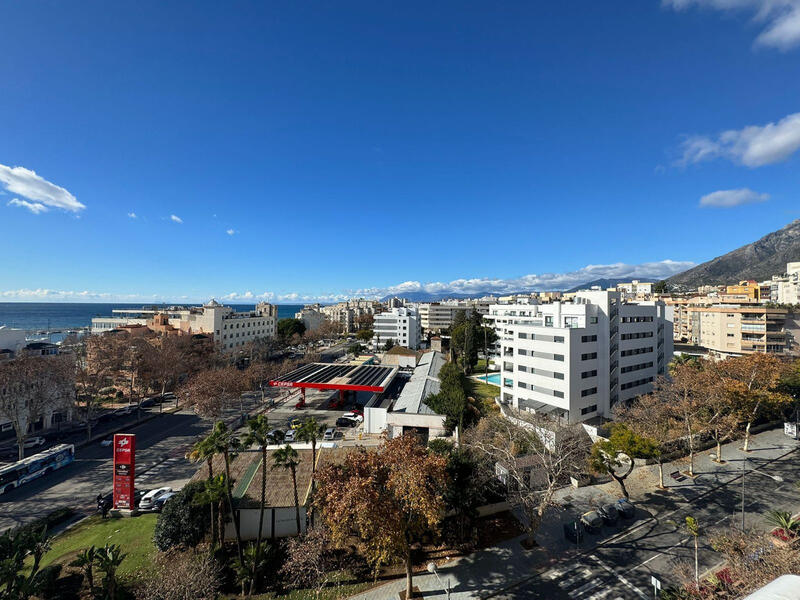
325, 376
423, 383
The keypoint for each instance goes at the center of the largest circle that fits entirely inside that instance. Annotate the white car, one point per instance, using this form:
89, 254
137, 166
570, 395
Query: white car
35, 441
290, 436
148, 501
353, 416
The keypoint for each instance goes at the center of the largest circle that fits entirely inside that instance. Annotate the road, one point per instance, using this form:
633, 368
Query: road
622, 567
161, 445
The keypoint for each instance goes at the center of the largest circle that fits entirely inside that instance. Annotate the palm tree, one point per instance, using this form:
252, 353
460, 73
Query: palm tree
310, 432
225, 442
783, 520
258, 434
286, 458
85, 562
205, 450
248, 569
214, 493
109, 558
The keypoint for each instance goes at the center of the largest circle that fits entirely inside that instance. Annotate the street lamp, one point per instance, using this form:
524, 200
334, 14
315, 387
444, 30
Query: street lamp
446, 588
776, 478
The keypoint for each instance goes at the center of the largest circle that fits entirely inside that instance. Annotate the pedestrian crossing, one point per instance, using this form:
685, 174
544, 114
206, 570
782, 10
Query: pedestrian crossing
157, 469
589, 579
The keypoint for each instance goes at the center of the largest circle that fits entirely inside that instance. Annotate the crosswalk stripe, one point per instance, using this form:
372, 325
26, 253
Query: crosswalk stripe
570, 581
557, 572
601, 594
586, 587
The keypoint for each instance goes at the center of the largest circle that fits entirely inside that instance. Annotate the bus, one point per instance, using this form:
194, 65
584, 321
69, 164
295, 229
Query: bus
14, 475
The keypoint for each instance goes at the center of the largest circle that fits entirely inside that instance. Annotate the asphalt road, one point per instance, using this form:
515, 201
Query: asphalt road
622, 567
161, 445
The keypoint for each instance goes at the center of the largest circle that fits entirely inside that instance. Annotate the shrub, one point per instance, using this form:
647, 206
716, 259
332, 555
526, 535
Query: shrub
46, 582
181, 576
182, 522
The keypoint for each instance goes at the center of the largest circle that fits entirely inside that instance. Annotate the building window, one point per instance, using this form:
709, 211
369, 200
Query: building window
559, 357
558, 394
589, 409
589, 356
587, 374
588, 391
588, 338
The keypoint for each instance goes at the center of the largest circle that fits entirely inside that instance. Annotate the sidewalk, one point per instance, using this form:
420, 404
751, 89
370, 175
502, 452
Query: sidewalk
489, 571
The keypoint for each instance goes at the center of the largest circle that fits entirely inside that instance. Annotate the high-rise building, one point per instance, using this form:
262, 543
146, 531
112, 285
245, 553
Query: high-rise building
400, 325
576, 360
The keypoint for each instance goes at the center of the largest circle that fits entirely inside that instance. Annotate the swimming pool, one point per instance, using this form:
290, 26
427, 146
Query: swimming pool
494, 379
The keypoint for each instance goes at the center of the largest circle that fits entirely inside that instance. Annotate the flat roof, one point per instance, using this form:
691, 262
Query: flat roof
326, 376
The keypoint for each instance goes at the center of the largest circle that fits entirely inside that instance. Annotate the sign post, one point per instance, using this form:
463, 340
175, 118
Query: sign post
124, 471
656, 586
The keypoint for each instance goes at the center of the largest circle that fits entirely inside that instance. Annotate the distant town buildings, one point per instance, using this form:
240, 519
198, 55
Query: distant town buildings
576, 360
230, 329
438, 316
401, 326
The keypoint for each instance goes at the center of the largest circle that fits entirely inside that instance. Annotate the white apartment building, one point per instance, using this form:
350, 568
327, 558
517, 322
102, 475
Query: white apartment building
401, 325
576, 360
311, 316
436, 316
636, 289
230, 329
348, 313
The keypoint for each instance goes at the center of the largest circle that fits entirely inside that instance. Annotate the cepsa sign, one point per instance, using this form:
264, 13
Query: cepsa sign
124, 469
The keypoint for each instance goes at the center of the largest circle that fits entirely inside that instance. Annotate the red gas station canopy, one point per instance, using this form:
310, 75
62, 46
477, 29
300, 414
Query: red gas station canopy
325, 376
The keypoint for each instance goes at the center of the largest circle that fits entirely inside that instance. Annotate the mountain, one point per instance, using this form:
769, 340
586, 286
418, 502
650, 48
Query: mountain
608, 283
759, 260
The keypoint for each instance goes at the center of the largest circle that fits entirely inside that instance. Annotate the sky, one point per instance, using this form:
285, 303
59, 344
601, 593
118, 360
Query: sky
312, 151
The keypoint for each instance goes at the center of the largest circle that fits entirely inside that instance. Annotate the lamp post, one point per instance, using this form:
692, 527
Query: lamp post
446, 588
776, 478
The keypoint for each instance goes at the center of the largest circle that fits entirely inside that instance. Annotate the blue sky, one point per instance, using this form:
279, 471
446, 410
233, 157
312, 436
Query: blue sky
315, 150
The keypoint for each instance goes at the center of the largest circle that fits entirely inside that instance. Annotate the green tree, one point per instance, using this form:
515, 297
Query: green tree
286, 458
18, 580
214, 493
388, 345
258, 430
108, 559
184, 521
619, 451
355, 349
365, 335
468, 335
452, 399
85, 562
287, 328
661, 287
225, 442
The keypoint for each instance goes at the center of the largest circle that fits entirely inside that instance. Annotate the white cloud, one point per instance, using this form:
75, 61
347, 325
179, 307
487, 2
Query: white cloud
230, 231
752, 146
35, 207
541, 282
175, 219
729, 198
780, 19
478, 286
132, 215
26, 183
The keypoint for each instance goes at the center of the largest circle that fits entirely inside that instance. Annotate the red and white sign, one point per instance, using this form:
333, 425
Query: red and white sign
124, 469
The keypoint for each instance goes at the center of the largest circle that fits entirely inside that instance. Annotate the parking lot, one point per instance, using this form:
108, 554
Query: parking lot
318, 405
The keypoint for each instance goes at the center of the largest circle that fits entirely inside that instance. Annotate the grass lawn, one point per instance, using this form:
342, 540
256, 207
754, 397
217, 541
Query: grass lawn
134, 535
480, 368
485, 392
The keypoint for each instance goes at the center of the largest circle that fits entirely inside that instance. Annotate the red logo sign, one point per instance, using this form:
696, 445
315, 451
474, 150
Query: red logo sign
124, 470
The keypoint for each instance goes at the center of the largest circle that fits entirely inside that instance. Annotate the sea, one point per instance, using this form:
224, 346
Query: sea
62, 316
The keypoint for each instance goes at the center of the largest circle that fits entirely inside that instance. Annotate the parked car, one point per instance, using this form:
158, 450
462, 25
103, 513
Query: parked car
290, 437
592, 521
277, 435
158, 505
625, 508
35, 441
295, 423
147, 402
609, 513
573, 531
108, 499
345, 422
149, 499
330, 434
353, 415
106, 442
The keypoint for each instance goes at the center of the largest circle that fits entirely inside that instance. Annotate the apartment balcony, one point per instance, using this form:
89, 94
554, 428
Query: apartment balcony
754, 319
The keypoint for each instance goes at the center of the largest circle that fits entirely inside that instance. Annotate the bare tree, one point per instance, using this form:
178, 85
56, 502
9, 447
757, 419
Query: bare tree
30, 388
211, 391
538, 455
650, 417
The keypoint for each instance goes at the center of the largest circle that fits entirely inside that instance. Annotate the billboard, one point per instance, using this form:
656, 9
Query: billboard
124, 470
